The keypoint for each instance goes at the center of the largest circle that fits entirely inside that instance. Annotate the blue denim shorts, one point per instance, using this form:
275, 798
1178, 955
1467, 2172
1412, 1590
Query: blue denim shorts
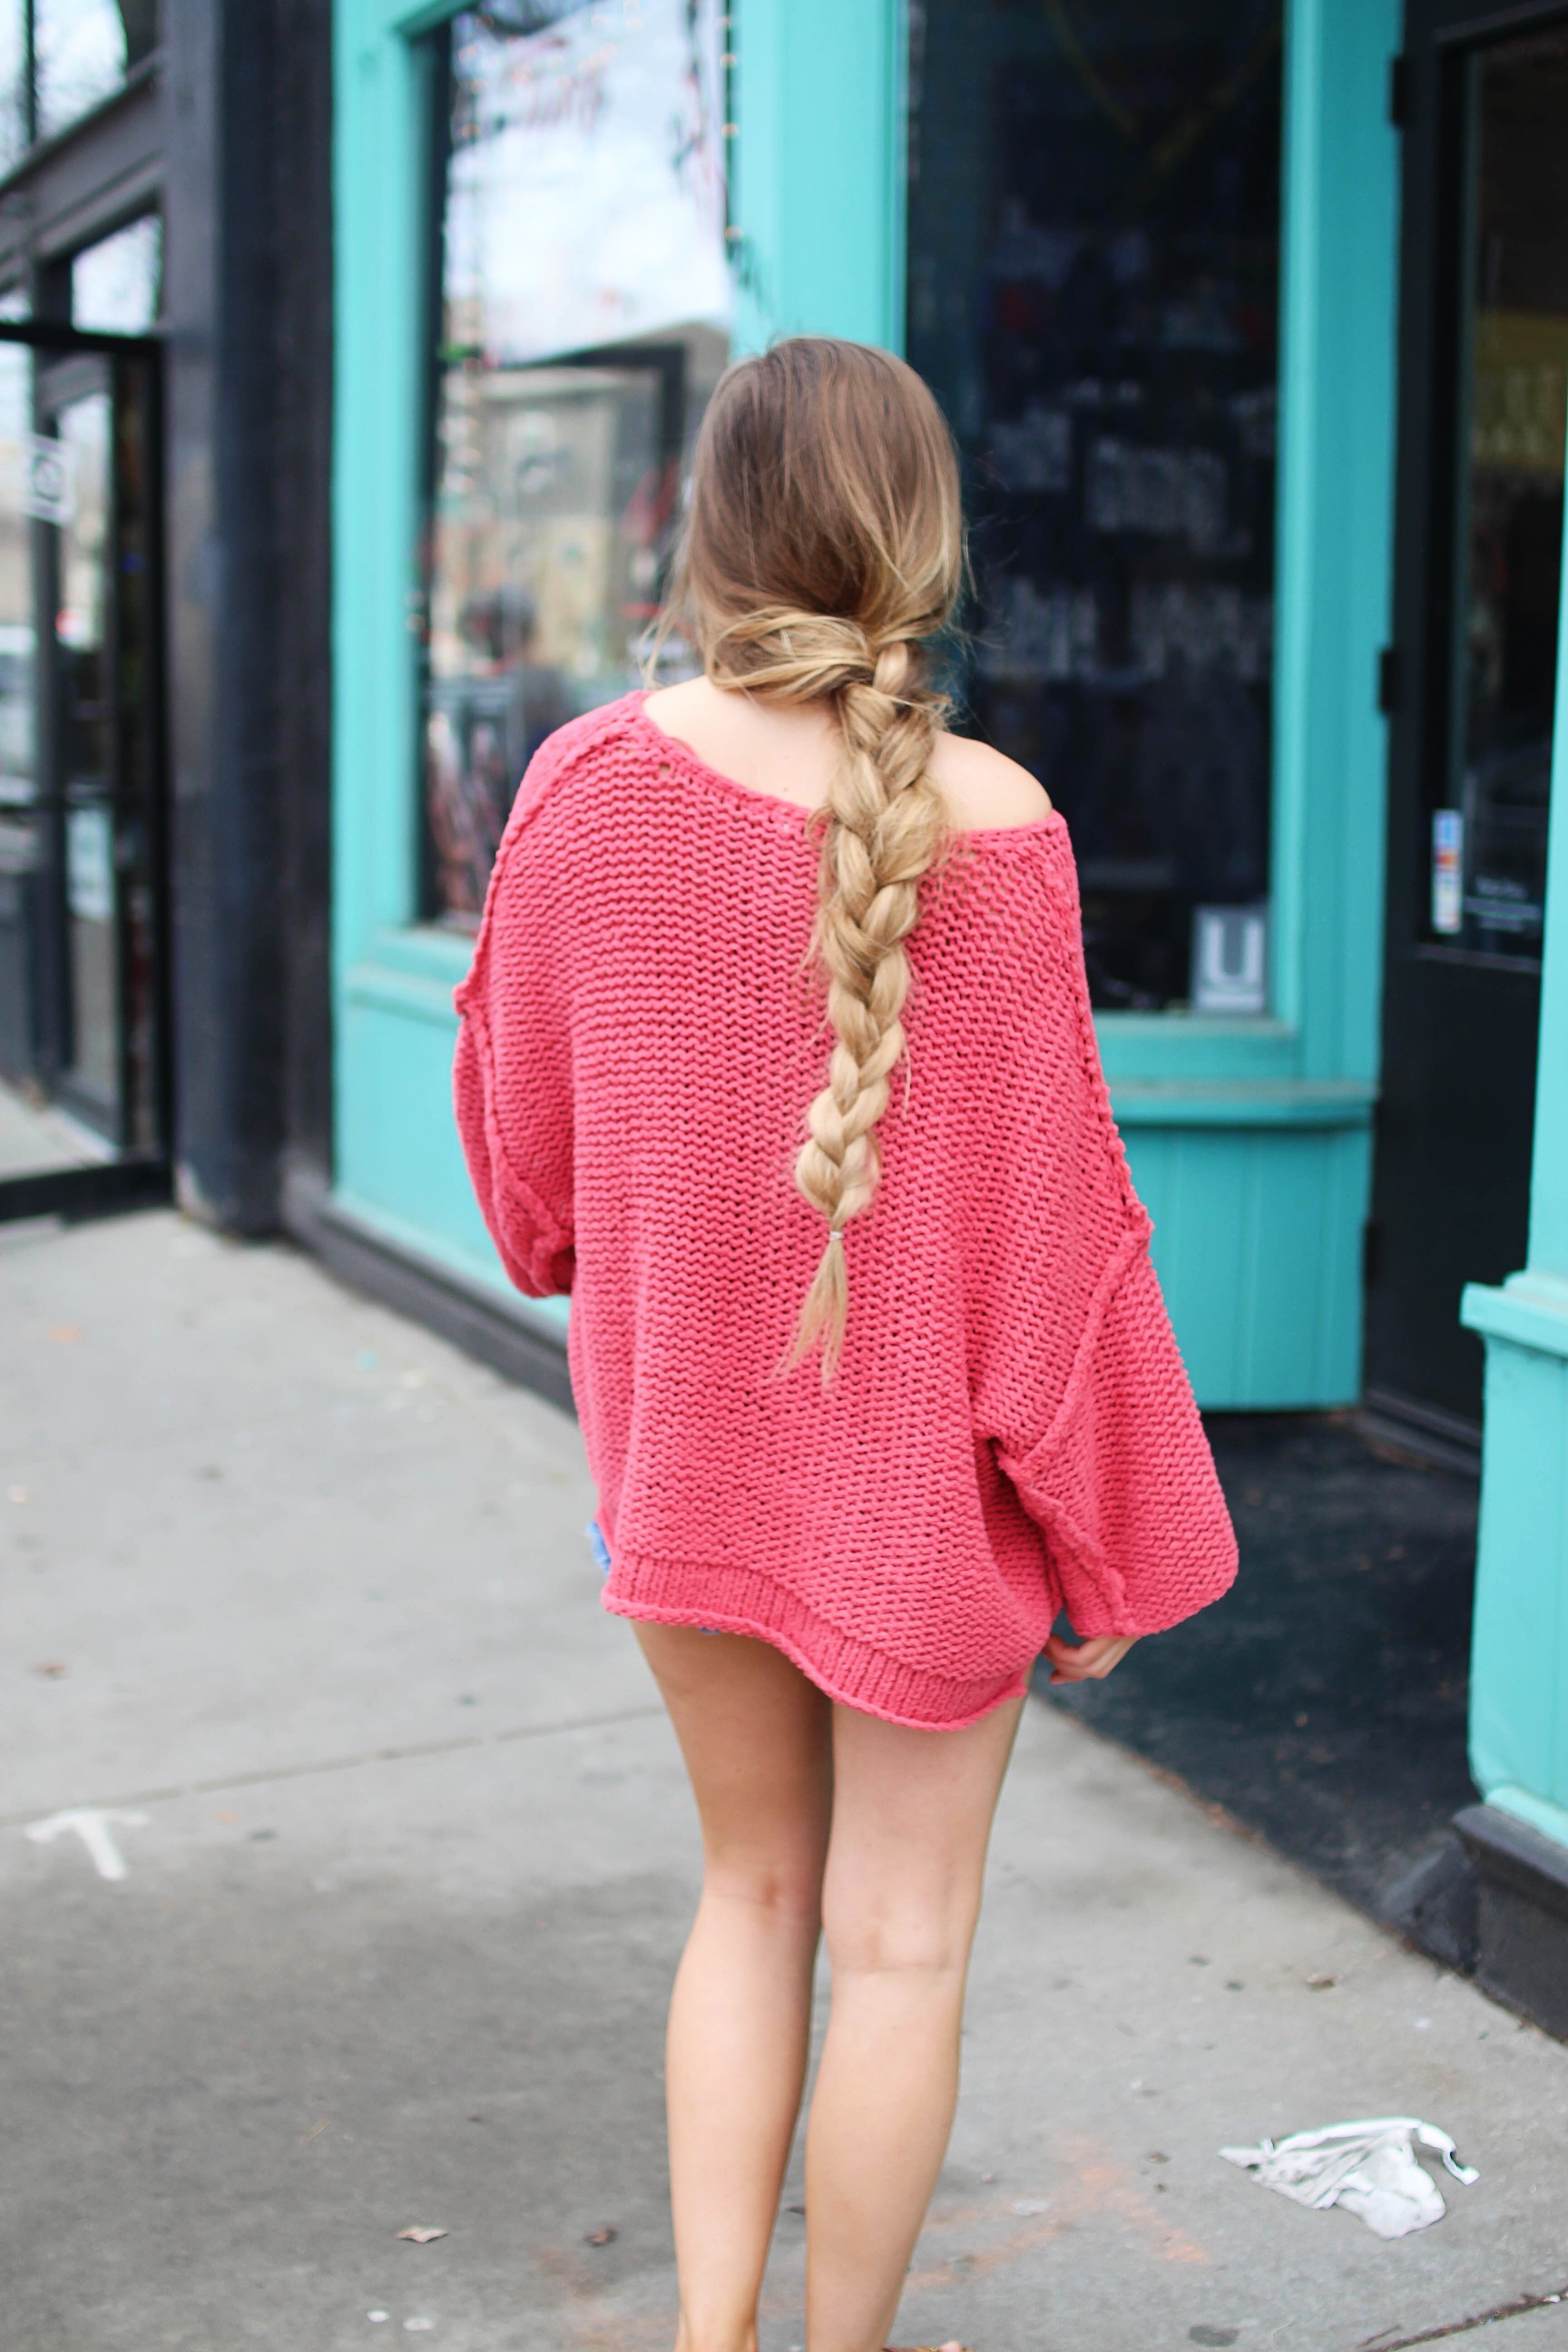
601, 1551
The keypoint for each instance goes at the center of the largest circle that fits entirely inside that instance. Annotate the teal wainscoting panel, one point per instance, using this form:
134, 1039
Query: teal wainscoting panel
818, 198
398, 1148
1519, 1699
1256, 1243
409, 1184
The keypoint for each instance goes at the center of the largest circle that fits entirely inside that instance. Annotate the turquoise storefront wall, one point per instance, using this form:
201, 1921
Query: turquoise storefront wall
1250, 1140
1519, 1688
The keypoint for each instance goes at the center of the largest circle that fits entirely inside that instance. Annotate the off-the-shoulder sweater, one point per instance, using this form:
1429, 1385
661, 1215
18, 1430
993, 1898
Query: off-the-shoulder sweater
1011, 1432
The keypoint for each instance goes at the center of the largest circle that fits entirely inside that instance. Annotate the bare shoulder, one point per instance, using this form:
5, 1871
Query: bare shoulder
673, 706
984, 789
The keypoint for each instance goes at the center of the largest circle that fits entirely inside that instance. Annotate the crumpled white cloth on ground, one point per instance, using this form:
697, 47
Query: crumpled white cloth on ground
1370, 2168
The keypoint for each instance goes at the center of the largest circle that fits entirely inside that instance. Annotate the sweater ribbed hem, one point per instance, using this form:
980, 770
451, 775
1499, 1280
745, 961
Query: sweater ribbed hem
657, 1592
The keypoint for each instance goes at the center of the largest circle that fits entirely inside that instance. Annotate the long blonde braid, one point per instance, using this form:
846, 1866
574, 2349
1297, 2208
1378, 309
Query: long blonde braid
824, 474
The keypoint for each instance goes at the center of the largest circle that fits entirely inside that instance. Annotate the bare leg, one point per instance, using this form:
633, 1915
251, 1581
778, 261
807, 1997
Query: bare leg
912, 1818
757, 1741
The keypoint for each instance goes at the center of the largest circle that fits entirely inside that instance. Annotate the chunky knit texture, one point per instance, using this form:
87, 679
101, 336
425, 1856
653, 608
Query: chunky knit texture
1011, 1430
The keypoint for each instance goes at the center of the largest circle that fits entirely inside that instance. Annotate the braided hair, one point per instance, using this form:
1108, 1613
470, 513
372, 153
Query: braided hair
823, 549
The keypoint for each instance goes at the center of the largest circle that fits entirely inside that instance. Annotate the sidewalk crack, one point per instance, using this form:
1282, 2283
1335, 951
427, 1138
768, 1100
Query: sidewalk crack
1385, 2342
223, 1781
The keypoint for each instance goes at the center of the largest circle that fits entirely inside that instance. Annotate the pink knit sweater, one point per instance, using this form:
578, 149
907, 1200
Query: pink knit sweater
1011, 1432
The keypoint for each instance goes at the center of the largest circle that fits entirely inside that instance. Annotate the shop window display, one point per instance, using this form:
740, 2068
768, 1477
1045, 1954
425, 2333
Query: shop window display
1093, 293
581, 305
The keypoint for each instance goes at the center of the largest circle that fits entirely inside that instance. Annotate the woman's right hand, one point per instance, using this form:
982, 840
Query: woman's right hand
1086, 1661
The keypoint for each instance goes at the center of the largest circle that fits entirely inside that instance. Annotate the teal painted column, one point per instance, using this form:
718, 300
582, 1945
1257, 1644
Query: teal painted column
1335, 529
818, 197
1518, 1698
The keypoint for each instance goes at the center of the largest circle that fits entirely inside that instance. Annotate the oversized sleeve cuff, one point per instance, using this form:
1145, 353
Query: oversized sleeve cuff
1123, 1484
533, 1240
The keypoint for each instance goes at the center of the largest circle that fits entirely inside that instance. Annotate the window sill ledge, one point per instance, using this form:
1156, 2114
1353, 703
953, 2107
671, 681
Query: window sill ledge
1247, 1102
1163, 1069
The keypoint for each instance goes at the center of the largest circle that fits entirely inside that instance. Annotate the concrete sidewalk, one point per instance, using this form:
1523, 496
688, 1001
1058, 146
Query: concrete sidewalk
298, 1601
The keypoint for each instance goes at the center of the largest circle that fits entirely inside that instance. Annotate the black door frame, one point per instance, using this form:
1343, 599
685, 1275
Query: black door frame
139, 1173
1430, 105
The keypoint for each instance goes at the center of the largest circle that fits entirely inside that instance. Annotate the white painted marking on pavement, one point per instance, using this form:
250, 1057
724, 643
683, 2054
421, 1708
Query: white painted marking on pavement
92, 1826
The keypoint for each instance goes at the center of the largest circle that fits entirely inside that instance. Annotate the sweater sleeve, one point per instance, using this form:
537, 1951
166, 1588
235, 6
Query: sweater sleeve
1083, 1394
1123, 1483
513, 1075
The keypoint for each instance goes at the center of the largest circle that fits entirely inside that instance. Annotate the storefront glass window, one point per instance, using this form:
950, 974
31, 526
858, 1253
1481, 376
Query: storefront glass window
582, 305
18, 733
115, 284
13, 99
78, 915
1093, 293
88, 748
84, 50
21, 1148
81, 50
1489, 831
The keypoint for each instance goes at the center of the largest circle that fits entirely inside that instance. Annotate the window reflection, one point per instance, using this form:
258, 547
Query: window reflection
582, 302
22, 1145
115, 284
86, 755
84, 50
15, 101
18, 789
1093, 294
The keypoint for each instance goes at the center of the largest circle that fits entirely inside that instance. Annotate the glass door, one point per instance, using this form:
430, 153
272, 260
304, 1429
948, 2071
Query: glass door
1484, 392
82, 1108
